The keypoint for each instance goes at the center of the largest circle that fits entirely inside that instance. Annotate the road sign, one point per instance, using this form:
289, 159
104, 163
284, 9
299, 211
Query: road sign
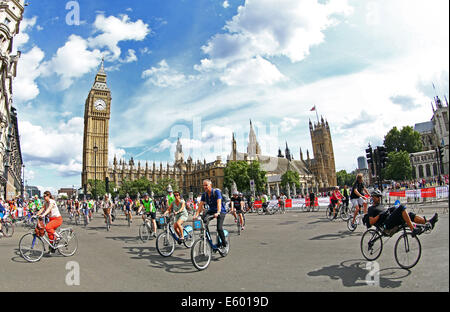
252, 185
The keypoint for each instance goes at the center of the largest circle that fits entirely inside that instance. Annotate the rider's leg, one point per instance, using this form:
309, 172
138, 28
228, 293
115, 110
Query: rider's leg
356, 213
179, 224
52, 226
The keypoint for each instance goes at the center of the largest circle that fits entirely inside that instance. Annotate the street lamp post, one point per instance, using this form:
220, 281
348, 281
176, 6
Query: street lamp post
95, 169
23, 180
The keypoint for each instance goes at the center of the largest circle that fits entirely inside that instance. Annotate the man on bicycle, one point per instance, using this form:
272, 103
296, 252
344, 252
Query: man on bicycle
213, 198
2, 215
391, 218
237, 204
169, 198
150, 211
265, 202
128, 205
357, 196
107, 205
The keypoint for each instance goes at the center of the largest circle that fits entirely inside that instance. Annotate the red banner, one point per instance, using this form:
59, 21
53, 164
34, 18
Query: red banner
428, 192
257, 204
398, 194
288, 203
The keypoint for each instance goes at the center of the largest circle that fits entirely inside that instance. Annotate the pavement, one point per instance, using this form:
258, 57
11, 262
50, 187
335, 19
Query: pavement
292, 252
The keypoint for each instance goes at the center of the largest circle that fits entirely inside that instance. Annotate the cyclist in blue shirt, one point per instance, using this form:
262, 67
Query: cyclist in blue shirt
2, 214
213, 199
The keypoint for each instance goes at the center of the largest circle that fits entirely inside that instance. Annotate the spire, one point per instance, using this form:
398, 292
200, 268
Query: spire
301, 154
102, 67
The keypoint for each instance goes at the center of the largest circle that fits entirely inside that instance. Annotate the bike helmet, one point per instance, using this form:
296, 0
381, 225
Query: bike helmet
376, 193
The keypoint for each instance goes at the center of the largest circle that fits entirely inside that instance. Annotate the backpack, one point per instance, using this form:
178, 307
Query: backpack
40, 228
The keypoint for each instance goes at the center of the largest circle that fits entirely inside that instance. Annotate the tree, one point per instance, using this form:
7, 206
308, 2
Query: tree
237, 171
241, 172
344, 178
398, 166
99, 189
404, 140
290, 177
160, 188
258, 175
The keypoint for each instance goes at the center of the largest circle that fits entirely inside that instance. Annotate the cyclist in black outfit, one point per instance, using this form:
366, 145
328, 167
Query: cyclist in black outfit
391, 218
236, 205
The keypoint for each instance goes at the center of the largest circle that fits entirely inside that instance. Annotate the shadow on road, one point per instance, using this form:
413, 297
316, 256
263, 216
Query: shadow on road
127, 239
334, 236
353, 273
172, 264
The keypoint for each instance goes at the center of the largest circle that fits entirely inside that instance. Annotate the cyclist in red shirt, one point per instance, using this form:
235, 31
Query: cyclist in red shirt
335, 197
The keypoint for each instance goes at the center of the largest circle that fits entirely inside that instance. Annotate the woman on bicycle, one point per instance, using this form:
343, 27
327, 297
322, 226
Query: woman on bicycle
357, 196
178, 206
335, 197
50, 208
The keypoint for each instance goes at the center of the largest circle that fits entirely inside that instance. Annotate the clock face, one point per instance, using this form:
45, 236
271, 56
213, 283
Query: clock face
100, 105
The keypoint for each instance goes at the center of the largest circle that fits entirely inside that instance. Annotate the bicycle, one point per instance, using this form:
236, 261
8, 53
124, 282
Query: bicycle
201, 251
32, 246
145, 230
407, 249
341, 211
358, 220
274, 208
7, 228
238, 220
165, 242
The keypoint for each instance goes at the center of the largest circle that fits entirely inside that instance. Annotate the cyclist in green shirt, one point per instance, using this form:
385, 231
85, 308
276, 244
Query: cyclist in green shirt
150, 210
169, 198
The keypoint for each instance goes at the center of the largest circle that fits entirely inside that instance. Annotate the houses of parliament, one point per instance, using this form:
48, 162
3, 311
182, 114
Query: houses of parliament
315, 174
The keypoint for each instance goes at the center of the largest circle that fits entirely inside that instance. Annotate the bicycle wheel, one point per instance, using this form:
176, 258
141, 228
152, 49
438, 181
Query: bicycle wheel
238, 224
371, 245
8, 228
407, 250
108, 224
128, 219
351, 227
68, 243
144, 233
329, 213
260, 211
31, 247
223, 251
344, 213
201, 254
165, 244
189, 239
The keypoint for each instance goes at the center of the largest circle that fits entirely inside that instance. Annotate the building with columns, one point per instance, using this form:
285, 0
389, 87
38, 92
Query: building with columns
11, 163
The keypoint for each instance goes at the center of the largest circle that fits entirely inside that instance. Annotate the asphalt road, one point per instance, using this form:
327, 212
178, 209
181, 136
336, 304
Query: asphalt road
296, 251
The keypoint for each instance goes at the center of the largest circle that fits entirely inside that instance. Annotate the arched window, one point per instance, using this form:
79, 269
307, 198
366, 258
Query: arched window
428, 170
420, 171
435, 169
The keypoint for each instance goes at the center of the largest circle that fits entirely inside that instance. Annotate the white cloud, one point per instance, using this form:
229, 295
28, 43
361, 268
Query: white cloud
266, 28
225, 4
131, 57
72, 61
22, 37
59, 146
163, 76
114, 30
28, 70
288, 123
250, 72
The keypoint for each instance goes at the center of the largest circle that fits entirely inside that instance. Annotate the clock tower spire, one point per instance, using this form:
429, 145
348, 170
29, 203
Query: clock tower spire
97, 112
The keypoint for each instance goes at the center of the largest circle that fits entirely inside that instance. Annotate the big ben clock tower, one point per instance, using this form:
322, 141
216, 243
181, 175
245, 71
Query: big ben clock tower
96, 130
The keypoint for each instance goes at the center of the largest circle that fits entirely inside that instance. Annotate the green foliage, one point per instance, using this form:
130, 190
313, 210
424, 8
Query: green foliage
290, 177
344, 178
398, 167
404, 140
142, 186
241, 172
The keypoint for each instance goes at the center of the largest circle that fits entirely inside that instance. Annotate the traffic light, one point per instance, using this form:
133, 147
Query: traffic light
440, 153
369, 157
107, 185
383, 156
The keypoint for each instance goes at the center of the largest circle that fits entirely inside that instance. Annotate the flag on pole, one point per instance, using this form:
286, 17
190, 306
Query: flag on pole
313, 109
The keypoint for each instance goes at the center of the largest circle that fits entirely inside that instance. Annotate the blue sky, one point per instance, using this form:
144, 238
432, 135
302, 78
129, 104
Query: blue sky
201, 69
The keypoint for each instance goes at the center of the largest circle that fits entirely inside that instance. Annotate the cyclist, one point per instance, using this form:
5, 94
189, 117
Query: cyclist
85, 207
390, 218
128, 205
282, 202
150, 210
237, 204
169, 198
335, 197
346, 196
107, 205
213, 198
2, 215
265, 202
357, 196
178, 206
37, 202
51, 208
